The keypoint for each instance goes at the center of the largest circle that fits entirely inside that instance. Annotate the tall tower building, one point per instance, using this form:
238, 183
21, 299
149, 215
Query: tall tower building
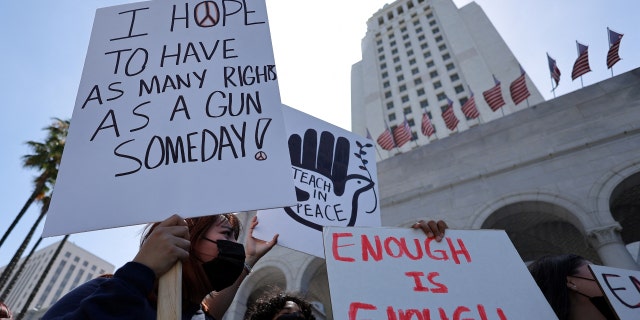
72, 267
417, 56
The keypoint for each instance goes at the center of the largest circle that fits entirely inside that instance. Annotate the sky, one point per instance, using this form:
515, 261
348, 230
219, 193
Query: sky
315, 44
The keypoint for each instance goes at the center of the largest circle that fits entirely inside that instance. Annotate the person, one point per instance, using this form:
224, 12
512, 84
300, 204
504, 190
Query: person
212, 261
5, 313
569, 287
280, 305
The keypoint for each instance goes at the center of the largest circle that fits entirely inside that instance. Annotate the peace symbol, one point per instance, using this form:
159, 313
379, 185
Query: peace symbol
261, 156
206, 14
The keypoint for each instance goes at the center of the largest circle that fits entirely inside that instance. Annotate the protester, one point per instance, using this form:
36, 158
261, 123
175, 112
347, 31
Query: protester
570, 289
280, 305
5, 313
212, 261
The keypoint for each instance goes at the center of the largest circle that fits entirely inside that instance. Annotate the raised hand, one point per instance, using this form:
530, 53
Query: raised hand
432, 228
255, 248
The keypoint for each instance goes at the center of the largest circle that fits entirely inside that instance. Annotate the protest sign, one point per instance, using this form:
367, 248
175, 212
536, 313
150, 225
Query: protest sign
335, 178
391, 273
621, 288
178, 111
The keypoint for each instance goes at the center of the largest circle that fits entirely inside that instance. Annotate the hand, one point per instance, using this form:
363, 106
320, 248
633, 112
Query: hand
167, 243
432, 228
254, 248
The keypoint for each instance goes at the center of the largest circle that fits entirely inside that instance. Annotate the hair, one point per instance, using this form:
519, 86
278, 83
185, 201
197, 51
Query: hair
267, 306
5, 313
550, 273
195, 284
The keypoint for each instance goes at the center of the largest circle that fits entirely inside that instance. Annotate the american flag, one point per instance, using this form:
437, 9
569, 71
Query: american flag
385, 139
493, 96
450, 119
518, 88
469, 108
427, 127
553, 68
402, 133
581, 66
614, 45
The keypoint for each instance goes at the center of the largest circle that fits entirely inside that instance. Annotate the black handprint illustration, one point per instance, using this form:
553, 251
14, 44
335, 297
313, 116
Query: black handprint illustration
326, 193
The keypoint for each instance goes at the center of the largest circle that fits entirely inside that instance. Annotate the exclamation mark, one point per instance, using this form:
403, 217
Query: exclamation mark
261, 130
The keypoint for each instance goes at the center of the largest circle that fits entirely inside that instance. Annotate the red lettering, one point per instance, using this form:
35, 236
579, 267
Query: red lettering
440, 288
335, 246
483, 314
409, 314
367, 248
391, 314
443, 315
442, 254
419, 253
416, 279
501, 314
387, 247
355, 306
458, 313
463, 251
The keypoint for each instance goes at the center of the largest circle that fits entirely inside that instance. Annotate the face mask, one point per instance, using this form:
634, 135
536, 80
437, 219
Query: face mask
223, 270
291, 316
600, 303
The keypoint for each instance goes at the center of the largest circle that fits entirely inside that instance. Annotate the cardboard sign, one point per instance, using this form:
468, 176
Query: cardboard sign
391, 273
178, 111
336, 184
621, 288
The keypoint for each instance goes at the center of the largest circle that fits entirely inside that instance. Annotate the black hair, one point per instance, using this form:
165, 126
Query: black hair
267, 306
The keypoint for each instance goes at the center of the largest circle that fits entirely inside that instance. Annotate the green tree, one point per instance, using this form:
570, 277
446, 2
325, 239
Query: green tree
45, 158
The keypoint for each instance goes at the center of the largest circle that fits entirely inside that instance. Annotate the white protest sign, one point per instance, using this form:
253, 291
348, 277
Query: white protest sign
391, 273
178, 111
336, 184
621, 288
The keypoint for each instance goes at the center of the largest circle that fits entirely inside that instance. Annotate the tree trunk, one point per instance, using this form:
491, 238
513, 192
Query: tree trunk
25, 308
37, 191
16, 257
16, 276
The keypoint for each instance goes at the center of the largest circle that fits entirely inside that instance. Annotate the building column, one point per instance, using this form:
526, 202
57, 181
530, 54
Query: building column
612, 251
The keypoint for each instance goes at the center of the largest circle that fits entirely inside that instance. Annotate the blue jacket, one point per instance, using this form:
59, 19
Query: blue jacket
124, 296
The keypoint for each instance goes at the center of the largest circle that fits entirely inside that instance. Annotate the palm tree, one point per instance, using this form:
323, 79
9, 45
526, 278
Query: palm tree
15, 277
45, 158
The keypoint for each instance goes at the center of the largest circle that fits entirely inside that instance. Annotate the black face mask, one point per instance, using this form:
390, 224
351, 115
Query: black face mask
291, 316
223, 270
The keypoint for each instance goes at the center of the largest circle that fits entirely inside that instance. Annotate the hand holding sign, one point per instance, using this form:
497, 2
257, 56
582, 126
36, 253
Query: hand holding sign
165, 245
322, 168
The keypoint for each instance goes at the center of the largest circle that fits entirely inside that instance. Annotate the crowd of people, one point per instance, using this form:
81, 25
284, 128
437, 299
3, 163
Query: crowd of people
215, 264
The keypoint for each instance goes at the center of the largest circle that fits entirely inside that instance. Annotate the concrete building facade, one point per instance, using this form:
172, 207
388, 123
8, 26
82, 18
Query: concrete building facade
72, 267
418, 53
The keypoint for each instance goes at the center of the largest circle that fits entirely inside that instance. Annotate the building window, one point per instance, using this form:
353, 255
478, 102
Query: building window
402, 88
416, 22
67, 254
441, 96
442, 47
446, 56
432, 23
380, 49
385, 75
410, 5
409, 53
398, 68
385, 84
390, 15
433, 74
443, 108
396, 59
424, 103
391, 35
420, 92
415, 71
421, 37
403, 29
437, 84
389, 105
400, 77
454, 77
418, 29
405, 36
412, 61
406, 110
383, 66
394, 51
435, 30
387, 94
438, 38
381, 57
392, 43
429, 15
411, 122
404, 98
430, 64
459, 89
380, 21
424, 45
450, 66
392, 117
417, 81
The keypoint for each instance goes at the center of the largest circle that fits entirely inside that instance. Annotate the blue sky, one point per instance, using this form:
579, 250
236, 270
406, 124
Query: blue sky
315, 44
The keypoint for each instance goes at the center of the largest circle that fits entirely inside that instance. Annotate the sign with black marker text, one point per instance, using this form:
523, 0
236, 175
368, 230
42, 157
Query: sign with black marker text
621, 288
178, 111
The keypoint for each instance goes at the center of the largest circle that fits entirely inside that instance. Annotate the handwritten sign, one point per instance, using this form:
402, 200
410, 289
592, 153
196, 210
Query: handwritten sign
335, 178
391, 273
621, 288
178, 111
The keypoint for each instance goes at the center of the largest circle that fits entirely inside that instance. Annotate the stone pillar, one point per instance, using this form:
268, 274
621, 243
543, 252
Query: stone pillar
608, 242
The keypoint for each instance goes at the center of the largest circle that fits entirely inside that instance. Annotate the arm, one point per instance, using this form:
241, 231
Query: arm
218, 302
